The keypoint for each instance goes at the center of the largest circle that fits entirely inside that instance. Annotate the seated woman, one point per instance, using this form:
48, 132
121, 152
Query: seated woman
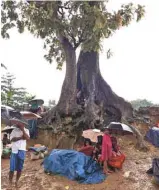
115, 147
97, 152
6, 149
87, 149
117, 159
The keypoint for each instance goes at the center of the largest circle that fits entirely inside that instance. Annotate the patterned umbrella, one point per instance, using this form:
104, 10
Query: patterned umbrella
92, 134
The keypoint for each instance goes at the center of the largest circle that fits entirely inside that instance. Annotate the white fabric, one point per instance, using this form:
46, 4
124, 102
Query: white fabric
21, 144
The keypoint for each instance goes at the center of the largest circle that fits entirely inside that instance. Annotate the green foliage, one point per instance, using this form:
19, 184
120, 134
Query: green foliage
141, 103
28, 97
84, 23
10, 95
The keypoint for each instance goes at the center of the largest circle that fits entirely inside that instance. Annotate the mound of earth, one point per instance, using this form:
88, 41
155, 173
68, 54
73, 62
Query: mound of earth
133, 176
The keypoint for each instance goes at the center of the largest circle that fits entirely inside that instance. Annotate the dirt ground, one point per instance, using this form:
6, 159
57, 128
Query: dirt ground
133, 176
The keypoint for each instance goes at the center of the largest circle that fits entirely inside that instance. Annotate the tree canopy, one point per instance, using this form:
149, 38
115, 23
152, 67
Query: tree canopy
81, 23
64, 26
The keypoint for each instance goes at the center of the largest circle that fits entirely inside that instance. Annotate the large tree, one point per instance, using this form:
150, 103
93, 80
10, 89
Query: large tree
141, 103
11, 95
65, 26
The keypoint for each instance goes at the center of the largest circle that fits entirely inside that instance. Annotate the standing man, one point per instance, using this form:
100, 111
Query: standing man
18, 138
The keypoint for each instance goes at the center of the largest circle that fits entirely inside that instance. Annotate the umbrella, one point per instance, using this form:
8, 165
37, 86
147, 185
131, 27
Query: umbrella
8, 129
5, 114
15, 114
6, 107
36, 101
121, 128
15, 121
92, 134
29, 115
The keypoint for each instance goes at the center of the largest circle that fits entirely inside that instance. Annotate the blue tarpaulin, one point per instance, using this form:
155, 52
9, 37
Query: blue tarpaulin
153, 136
74, 165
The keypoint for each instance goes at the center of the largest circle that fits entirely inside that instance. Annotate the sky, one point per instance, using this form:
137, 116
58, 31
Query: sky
132, 72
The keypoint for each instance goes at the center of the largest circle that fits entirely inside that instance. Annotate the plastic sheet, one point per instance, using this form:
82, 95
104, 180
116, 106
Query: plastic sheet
74, 165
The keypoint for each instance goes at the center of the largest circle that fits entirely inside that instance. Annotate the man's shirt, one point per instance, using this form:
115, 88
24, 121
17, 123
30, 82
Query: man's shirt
20, 144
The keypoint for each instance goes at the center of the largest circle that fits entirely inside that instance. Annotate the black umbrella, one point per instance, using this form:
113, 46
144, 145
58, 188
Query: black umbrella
8, 129
119, 128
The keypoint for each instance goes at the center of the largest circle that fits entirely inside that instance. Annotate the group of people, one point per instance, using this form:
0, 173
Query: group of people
106, 152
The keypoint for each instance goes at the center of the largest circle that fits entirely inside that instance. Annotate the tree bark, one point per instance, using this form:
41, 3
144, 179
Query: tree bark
102, 104
96, 90
67, 101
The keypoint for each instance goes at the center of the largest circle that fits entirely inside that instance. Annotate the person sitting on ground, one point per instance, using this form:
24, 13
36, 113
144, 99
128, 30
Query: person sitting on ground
115, 147
87, 149
97, 153
5, 140
18, 138
6, 146
118, 158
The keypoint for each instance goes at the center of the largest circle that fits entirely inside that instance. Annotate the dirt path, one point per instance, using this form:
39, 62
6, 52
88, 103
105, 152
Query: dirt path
136, 164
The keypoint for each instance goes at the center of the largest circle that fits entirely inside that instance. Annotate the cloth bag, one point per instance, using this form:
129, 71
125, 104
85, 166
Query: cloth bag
117, 160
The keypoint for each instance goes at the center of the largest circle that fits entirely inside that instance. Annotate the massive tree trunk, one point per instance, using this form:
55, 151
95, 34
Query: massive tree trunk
62, 118
67, 101
99, 104
102, 105
97, 92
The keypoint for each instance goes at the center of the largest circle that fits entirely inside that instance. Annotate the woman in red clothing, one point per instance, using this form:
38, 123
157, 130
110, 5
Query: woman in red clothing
106, 151
87, 149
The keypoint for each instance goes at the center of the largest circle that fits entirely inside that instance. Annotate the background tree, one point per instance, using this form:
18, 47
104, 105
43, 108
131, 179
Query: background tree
65, 26
28, 97
12, 96
141, 103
